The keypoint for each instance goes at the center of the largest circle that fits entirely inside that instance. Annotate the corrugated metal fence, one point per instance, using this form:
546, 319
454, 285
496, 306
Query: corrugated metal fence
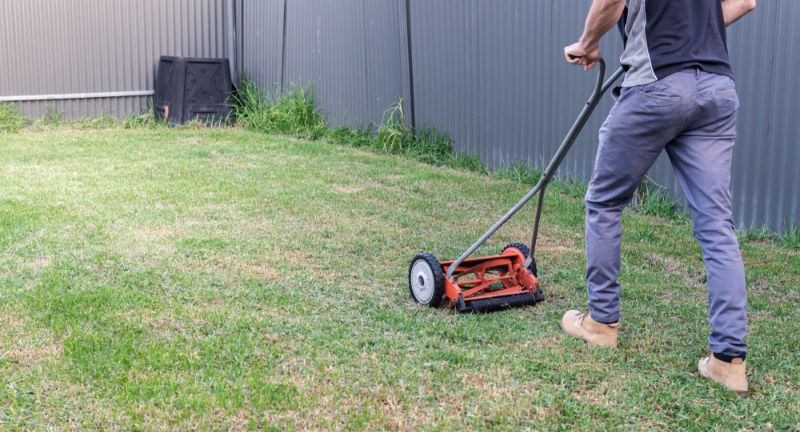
490, 73
77, 47
352, 52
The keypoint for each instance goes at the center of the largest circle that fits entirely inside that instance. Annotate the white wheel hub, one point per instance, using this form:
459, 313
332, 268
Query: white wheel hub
422, 282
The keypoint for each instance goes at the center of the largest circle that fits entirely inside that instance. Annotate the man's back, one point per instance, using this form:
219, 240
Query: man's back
665, 36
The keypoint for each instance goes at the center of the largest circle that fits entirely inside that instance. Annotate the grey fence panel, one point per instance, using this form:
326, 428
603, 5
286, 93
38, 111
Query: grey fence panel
262, 41
444, 38
752, 55
325, 48
351, 52
387, 67
93, 46
520, 59
784, 140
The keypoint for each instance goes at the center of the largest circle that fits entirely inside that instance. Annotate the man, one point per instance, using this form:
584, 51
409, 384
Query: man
678, 95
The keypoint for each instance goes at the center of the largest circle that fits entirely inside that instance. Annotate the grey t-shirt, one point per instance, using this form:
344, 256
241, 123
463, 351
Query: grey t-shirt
665, 36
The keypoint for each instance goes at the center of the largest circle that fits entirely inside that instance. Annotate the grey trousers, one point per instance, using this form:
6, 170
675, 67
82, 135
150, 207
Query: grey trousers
692, 115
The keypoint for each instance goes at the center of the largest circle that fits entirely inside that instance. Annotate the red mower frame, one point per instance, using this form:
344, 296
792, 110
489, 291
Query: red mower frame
491, 277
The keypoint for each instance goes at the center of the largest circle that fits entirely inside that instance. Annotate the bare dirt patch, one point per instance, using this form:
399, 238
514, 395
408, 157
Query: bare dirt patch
38, 263
560, 245
258, 270
348, 189
667, 264
671, 266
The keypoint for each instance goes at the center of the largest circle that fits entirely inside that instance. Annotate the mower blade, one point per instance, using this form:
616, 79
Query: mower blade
496, 304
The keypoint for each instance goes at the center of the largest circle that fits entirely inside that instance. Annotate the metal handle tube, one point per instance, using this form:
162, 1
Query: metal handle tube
537, 218
600, 90
569, 140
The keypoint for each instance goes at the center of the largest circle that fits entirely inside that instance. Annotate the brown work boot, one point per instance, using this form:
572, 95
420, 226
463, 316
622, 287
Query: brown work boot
580, 325
731, 375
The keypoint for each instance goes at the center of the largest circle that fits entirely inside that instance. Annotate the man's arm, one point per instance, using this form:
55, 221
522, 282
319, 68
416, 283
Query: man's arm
732, 10
603, 15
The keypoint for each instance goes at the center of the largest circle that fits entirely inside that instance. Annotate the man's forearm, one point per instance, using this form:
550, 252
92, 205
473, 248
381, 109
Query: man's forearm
603, 15
732, 10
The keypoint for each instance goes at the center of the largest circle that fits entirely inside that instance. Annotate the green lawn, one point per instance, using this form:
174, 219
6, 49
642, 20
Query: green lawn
221, 279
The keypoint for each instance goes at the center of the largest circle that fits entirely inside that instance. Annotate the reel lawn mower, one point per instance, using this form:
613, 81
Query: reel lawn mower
509, 279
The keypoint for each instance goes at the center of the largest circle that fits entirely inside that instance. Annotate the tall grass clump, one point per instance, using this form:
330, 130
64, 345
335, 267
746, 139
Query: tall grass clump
791, 238
51, 118
429, 145
294, 113
395, 134
10, 120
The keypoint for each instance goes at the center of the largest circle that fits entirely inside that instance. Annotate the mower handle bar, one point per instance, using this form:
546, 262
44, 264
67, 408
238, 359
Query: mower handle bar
600, 89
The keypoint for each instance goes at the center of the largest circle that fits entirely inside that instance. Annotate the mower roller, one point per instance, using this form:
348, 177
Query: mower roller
508, 279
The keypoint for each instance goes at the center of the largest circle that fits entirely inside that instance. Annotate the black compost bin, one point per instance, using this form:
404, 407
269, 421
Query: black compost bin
193, 88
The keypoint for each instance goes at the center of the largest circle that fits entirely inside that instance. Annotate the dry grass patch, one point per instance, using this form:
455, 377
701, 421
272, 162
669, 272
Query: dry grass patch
22, 347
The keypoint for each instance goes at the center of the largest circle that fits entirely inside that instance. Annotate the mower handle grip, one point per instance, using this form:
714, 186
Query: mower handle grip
601, 75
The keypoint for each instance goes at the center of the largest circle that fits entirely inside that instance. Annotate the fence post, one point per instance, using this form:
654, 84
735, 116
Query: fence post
411, 106
283, 46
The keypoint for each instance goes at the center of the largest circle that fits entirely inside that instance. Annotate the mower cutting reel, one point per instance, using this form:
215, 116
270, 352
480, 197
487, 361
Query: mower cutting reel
478, 284
510, 278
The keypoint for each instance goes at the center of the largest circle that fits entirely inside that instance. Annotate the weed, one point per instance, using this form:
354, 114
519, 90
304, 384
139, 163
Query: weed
10, 119
51, 118
395, 134
294, 113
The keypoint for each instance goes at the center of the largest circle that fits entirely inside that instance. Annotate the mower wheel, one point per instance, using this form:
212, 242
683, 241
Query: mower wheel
525, 251
426, 280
